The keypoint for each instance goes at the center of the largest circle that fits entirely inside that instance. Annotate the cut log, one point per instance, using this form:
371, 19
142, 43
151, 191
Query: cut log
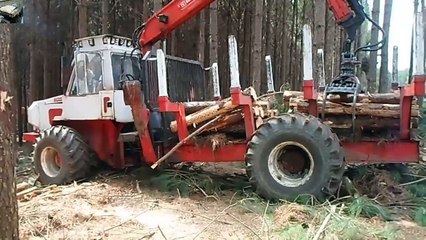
206, 114
366, 109
361, 122
390, 98
192, 107
226, 121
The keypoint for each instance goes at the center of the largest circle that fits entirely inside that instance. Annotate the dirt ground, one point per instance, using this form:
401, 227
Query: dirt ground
118, 205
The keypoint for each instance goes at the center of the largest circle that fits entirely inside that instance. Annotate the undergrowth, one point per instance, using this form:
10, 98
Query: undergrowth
378, 198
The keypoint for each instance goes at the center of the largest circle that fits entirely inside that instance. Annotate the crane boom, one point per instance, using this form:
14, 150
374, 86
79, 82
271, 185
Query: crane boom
348, 14
169, 18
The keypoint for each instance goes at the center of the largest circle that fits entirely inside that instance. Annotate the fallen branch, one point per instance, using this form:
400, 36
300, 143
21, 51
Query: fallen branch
324, 223
161, 231
175, 148
413, 182
26, 191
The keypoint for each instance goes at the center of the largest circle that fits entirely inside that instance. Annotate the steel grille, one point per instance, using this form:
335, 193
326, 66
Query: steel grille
186, 80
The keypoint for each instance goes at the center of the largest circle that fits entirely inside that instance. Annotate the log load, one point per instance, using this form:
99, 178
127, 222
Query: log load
232, 114
377, 115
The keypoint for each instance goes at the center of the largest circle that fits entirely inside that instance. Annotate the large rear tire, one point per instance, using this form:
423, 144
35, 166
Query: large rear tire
61, 156
294, 155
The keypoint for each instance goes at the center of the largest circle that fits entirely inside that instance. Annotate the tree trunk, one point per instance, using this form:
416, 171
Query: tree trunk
213, 33
36, 76
384, 76
107, 17
257, 46
202, 37
83, 30
319, 30
8, 204
372, 73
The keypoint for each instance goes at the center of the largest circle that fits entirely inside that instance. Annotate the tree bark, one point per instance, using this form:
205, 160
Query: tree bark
364, 109
206, 114
107, 17
213, 33
384, 76
257, 46
320, 13
372, 73
8, 204
83, 30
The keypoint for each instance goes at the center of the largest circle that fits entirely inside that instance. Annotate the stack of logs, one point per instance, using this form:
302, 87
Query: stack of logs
231, 117
377, 115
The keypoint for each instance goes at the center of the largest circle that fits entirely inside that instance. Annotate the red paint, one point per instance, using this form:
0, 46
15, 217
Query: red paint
177, 15
58, 160
134, 97
238, 98
341, 10
54, 112
106, 100
381, 152
101, 135
416, 88
31, 137
230, 153
310, 94
179, 109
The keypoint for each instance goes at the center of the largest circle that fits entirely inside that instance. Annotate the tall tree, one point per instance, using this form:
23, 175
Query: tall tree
213, 31
107, 17
83, 22
320, 13
372, 72
8, 204
257, 45
384, 66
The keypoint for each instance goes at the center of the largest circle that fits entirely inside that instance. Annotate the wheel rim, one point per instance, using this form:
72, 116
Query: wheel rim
51, 162
291, 164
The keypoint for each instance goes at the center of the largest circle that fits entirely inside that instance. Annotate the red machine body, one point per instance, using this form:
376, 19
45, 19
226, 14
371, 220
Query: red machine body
341, 10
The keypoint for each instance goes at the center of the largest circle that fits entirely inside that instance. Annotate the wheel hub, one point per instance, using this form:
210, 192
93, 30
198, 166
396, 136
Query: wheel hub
51, 162
290, 164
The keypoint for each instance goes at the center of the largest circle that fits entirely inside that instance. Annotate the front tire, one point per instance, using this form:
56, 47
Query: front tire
61, 156
294, 155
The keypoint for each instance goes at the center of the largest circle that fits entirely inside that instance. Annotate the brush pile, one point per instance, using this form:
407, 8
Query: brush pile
377, 115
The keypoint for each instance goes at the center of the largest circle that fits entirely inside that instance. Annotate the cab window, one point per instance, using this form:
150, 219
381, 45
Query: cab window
124, 65
88, 78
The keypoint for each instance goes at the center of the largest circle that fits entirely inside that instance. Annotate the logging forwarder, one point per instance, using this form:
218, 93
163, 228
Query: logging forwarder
113, 111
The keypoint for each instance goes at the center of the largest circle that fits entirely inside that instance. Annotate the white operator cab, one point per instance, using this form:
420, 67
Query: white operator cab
93, 90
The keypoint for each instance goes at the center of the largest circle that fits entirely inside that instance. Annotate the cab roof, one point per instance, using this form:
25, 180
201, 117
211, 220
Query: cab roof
103, 42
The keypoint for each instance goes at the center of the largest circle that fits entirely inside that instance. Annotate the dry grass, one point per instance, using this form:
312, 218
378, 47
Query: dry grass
291, 213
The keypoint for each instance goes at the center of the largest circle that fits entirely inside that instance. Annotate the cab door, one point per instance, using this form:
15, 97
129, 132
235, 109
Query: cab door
83, 100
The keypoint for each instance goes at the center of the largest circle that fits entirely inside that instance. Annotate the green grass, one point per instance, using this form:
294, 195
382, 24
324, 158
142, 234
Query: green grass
364, 207
340, 226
